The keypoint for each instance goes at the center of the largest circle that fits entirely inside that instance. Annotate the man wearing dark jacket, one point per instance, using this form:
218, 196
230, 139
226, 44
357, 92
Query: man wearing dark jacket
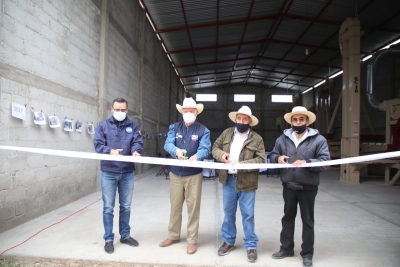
237, 145
186, 140
297, 146
117, 136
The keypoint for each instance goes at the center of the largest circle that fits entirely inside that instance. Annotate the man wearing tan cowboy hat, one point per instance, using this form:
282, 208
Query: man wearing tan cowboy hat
297, 146
186, 140
237, 145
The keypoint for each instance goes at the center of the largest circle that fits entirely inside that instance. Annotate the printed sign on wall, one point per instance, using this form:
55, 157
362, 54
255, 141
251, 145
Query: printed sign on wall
18, 110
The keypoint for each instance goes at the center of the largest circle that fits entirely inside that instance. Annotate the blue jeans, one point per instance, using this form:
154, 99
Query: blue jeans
110, 181
246, 204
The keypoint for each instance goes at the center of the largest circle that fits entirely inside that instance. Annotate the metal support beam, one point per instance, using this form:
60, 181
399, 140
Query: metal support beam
262, 41
349, 40
284, 16
339, 101
261, 57
103, 69
142, 48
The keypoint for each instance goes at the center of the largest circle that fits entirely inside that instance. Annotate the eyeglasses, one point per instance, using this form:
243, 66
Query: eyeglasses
120, 110
298, 119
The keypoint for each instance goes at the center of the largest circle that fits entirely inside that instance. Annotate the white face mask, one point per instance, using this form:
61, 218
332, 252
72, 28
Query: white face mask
189, 117
119, 115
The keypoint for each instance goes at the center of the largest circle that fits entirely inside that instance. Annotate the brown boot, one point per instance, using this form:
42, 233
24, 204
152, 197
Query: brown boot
191, 248
168, 242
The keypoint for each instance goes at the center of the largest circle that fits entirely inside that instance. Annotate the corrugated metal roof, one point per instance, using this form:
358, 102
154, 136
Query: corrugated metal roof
276, 43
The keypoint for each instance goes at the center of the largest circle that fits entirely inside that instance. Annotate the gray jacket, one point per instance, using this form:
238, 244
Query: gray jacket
312, 149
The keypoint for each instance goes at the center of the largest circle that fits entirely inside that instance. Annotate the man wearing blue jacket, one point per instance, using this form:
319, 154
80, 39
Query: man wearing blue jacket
297, 146
186, 140
117, 136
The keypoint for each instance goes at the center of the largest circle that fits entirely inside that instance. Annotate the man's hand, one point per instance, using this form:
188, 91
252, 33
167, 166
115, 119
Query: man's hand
179, 154
282, 159
135, 154
116, 152
225, 158
193, 158
299, 163
235, 163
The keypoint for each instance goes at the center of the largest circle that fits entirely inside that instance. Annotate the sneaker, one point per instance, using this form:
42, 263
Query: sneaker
282, 254
307, 261
252, 255
224, 249
129, 241
109, 247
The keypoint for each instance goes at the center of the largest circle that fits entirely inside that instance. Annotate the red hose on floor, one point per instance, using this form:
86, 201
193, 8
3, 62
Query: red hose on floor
1, 254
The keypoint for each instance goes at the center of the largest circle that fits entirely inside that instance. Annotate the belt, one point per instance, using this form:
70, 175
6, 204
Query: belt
234, 175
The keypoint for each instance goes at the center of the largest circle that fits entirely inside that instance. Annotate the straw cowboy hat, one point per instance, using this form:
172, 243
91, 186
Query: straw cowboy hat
190, 103
299, 110
246, 111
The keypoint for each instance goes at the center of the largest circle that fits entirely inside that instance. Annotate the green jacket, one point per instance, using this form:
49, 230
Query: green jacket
253, 151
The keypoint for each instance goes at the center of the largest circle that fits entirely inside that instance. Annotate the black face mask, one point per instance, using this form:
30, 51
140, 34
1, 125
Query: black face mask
299, 129
242, 128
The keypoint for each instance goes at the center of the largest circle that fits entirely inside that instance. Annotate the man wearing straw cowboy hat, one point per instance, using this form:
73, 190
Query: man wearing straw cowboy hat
237, 145
297, 146
189, 140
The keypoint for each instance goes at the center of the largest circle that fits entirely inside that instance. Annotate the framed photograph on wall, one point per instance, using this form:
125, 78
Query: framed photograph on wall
67, 125
78, 126
38, 118
90, 128
54, 122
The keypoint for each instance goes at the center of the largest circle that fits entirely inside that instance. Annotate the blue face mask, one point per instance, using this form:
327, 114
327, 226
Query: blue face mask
299, 129
242, 128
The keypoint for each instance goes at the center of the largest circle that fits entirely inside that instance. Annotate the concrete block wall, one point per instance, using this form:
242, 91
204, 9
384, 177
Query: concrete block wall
123, 70
50, 60
150, 108
56, 40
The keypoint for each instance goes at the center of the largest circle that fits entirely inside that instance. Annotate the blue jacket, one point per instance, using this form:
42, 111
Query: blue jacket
112, 134
195, 139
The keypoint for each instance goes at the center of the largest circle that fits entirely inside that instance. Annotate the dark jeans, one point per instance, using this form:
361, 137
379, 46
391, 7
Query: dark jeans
306, 200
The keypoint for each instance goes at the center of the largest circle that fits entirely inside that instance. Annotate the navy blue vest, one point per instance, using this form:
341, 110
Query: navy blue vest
189, 139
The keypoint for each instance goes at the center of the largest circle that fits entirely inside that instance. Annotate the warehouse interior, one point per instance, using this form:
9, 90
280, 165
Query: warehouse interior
69, 59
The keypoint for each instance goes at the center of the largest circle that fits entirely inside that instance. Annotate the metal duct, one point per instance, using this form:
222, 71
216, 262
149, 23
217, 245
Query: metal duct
373, 101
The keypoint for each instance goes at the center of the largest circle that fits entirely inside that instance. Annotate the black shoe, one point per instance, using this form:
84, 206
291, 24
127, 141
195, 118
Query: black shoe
109, 247
224, 249
129, 241
252, 255
307, 261
282, 254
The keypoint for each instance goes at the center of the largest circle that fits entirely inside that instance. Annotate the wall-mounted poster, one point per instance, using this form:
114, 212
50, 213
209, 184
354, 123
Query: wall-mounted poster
38, 118
67, 125
90, 128
78, 126
18, 111
54, 122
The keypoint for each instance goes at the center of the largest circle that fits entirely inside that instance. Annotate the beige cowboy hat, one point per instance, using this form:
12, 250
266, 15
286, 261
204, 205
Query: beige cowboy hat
246, 111
190, 103
299, 110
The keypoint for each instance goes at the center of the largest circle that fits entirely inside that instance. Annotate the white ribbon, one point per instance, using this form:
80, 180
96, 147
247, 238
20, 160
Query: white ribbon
199, 164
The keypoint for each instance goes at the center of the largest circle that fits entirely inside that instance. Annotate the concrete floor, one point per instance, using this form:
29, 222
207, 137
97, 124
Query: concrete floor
356, 225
